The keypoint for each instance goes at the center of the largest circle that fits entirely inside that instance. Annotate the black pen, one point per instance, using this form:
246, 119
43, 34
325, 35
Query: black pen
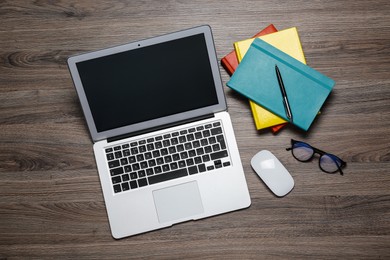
284, 94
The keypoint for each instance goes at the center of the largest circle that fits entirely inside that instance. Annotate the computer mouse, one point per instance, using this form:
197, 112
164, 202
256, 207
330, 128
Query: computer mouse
273, 173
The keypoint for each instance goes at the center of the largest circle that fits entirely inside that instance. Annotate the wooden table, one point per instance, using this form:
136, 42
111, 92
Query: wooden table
51, 201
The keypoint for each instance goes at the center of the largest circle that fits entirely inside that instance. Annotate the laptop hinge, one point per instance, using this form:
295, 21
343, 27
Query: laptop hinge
152, 129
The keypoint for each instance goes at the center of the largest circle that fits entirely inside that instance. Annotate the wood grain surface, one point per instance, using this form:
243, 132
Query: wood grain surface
51, 203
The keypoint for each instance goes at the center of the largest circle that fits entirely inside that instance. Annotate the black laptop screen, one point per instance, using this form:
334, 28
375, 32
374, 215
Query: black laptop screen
148, 83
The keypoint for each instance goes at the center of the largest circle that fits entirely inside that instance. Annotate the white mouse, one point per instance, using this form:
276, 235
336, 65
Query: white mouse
273, 173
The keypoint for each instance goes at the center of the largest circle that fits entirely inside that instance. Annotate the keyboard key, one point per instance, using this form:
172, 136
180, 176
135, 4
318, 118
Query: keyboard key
118, 154
152, 163
133, 175
126, 152
110, 156
156, 153
108, 150
190, 137
132, 159
148, 156
116, 171
165, 168
188, 146
199, 151
198, 160
202, 167
190, 162
176, 157
206, 158
172, 149
164, 152
174, 166
125, 186
140, 157
158, 145
150, 147
125, 177
144, 165
225, 164
166, 143
117, 188
116, 179
206, 133
196, 144
219, 155
141, 174
182, 139
117, 148
142, 149
160, 160
180, 148
149, 171
182, 164
133, 184
124, 161
221, 141
168, 176
113, 164
192, 170
174, 141
157, 169
134, 150
191, 153
216, 131
136, 167
142, 182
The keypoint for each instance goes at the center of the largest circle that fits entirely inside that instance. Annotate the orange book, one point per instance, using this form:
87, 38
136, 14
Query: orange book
230, 61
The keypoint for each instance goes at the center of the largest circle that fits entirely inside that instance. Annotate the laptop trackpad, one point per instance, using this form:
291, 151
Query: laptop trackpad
178, 202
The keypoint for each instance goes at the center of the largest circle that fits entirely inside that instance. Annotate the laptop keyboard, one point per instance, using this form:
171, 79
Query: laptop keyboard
169, 156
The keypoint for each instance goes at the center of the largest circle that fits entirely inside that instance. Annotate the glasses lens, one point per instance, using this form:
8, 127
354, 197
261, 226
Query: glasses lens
302, 152
329, 163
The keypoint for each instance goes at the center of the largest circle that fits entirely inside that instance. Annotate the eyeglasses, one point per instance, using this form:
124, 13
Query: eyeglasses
304, 152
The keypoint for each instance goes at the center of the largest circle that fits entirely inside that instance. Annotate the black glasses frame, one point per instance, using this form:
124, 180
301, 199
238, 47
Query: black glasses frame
321, 153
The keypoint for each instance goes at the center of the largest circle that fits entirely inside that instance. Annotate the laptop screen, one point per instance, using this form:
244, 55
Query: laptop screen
149, 83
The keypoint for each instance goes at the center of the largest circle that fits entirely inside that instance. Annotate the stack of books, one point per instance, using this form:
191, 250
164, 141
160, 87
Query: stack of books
252, 67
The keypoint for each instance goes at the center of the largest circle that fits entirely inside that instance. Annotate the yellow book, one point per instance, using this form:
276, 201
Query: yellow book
286, 41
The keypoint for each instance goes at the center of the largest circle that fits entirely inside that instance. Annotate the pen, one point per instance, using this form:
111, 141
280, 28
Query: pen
284, 94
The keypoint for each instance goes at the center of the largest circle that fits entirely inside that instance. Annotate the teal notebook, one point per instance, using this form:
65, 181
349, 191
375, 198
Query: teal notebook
306, 88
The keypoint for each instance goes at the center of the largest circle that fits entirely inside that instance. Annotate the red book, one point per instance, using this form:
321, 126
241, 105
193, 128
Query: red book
230, 63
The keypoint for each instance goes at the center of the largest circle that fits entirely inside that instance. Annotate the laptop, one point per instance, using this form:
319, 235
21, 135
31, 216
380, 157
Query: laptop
163, 140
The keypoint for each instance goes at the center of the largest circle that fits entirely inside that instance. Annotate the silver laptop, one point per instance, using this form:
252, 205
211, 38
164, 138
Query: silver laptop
163, 140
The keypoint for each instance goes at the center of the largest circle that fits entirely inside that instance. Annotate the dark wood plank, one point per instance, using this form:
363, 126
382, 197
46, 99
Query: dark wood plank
51, 201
